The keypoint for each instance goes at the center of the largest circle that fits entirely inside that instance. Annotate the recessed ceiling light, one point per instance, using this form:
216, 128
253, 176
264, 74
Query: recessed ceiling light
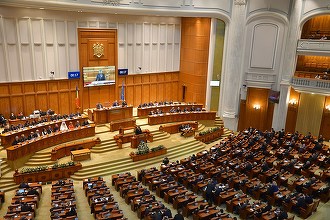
41, 8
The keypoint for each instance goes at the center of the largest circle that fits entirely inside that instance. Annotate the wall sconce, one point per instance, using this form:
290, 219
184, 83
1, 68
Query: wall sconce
327, 107
256, 107
293, 102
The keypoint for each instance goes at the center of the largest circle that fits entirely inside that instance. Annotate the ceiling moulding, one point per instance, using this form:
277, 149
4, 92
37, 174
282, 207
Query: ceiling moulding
133, 8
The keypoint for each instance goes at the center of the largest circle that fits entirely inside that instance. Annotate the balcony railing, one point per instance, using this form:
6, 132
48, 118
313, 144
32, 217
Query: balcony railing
317, 47
310, 85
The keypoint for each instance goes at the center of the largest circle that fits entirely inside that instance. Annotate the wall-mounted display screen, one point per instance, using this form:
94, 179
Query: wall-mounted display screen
99, 76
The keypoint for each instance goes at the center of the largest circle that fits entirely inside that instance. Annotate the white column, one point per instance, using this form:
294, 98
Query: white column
213, 32
232, 72
288, 66
281, 109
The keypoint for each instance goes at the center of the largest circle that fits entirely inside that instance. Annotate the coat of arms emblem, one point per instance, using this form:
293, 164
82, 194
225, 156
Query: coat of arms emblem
98, 50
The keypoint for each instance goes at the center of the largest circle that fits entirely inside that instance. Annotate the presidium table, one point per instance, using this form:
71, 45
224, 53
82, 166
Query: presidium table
106, 115
183, 116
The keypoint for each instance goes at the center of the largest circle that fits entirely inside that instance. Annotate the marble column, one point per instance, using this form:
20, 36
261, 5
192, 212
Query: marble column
213, 33
288, 65
233, 65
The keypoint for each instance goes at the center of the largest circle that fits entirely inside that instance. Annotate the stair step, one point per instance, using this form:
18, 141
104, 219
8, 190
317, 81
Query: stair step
105, 149
5, 170
122, 164
10, 187
41, 155
37, 160
136, 165
41, 163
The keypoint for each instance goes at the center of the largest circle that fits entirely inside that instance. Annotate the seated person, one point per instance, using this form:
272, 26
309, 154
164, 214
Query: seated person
56, 128
50, 112
24, 185
100, 76
49, 130
16, 141
37, 134
3, 121
166, 161
31, 136
115, 103
44, 132
12, 116
20, 115
71, 127
72, 212
99, 106
63, 127
85, 123
273, 188
6, 129
138, 130
77, 125
23, 138
124, 103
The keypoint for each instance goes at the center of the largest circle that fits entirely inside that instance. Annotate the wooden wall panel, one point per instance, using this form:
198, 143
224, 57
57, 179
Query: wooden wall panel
29, 88
86, 38
150, 87
54, 102
316, 27
325, 124
153, 93
195, 36
137, 95
64, 102
41, 101
291, 117
257, 118
313, 63
29, 96
17, 103
5, 106
30, 104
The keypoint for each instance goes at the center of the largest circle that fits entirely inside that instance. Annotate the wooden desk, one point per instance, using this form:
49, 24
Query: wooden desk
134, 139
124, 123
210, 136
177, 117
18, 151
191, 207
65, 150
174, 128
106, 115
83, 154
144, 111
22, 121
47, 175
205, 214
8, 137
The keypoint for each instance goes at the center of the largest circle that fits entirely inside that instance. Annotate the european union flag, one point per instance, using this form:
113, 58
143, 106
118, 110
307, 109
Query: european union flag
122, 94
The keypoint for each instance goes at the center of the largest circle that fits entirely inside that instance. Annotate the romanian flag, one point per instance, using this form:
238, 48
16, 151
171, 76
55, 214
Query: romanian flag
77, 98
122, 94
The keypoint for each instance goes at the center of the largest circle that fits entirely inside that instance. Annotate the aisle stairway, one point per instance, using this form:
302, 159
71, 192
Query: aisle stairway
6, 181
126, 164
